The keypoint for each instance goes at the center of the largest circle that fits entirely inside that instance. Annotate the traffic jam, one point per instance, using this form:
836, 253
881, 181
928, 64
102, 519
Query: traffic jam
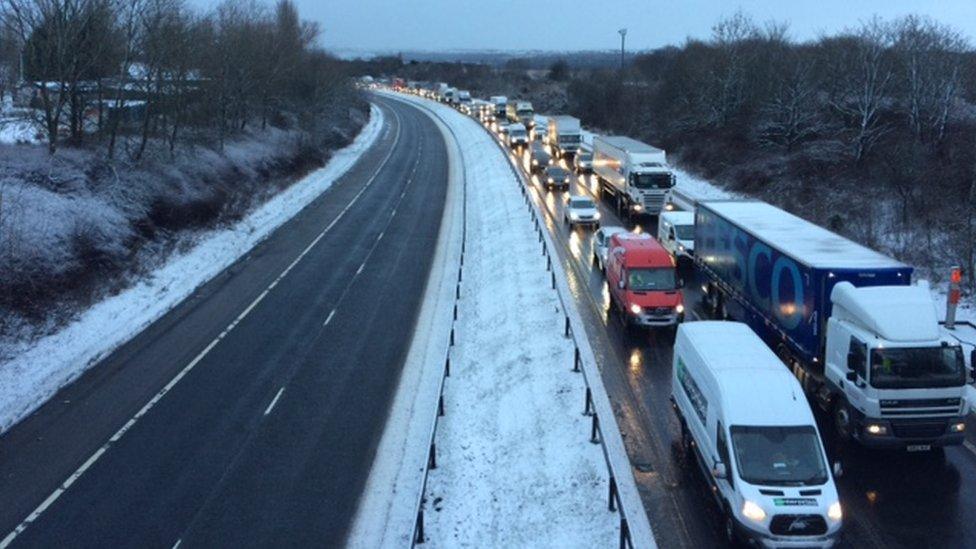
782, 386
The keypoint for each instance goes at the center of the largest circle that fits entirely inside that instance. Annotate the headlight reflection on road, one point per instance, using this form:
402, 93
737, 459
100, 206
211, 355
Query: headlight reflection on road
574, 244
636, 361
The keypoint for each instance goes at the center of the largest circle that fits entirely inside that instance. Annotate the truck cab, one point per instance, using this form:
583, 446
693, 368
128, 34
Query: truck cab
896, 379
643, 281
516, 135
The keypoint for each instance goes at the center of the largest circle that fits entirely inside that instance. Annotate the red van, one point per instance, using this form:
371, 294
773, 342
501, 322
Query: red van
643, 281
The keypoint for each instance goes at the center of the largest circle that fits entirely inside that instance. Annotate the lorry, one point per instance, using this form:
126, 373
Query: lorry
464, 99
634, 174
865, 343
521, 112
440, 91
565, 135
643, 282
451, 96
759, 450
500, 102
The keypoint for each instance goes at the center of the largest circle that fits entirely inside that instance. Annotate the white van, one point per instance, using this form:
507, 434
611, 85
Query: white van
747, 422
676, 232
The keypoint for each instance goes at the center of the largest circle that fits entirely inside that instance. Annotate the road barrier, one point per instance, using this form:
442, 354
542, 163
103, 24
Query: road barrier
622, 496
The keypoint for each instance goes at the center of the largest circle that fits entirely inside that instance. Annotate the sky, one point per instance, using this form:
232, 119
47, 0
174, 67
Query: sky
436, 25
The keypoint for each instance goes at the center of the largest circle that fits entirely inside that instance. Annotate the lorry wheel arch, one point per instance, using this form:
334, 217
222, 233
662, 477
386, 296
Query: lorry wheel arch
842, 418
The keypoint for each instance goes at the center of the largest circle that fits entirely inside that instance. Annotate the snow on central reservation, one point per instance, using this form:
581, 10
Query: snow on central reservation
515, 467
40, 368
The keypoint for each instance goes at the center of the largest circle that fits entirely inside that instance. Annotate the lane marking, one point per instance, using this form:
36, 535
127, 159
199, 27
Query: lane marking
177, 544
359, 271
36, 513
969, 446
329, 318
273, 402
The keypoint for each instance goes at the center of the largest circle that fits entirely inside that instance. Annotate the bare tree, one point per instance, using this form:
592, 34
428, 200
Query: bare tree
792, 115
861, 74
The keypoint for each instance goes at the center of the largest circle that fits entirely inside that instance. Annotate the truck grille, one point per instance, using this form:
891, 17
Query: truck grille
932, 407
918, 429
653, 202
798, 525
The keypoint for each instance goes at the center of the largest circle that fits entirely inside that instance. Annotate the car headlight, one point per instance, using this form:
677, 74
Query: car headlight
596, 215
679, 308
535, 162
551, 180
834, 511
876, 429
753, 512
957, 427
636, 309
638, 207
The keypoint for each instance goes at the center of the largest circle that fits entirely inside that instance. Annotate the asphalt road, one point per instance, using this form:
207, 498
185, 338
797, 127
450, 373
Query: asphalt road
285, 368
890, 499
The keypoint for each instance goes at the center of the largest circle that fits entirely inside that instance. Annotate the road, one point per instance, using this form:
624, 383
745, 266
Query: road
890, 499
248, 415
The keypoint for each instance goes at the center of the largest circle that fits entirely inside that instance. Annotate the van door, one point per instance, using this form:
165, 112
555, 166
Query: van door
857, 360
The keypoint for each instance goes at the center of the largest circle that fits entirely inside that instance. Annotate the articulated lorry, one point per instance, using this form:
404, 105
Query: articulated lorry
864, 342
636, 175
565, 135
520, 112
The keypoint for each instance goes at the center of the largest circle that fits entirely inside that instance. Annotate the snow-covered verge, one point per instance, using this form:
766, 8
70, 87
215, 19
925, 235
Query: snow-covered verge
514, 464
34, 371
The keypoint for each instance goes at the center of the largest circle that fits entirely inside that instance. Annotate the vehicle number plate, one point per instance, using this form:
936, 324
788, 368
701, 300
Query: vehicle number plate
919, 447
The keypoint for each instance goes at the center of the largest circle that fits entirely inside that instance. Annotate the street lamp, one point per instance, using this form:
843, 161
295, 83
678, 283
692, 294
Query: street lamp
623, 36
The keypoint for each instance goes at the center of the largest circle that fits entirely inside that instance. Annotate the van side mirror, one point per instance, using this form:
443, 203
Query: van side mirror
718, 471
621, 284
681, 283
838, 470
851, 376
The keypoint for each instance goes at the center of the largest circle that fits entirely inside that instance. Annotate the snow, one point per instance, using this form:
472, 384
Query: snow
804, 241
514, 464
39, 369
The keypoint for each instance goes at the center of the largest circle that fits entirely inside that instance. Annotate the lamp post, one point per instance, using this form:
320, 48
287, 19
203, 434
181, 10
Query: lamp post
623, 37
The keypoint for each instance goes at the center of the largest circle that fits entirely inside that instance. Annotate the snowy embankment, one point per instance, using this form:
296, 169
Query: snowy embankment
39, 369
515, 467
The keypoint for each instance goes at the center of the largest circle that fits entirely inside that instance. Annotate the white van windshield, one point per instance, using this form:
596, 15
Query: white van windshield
779, 456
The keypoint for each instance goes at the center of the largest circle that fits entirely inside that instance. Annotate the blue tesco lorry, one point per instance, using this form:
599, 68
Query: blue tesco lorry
864, 342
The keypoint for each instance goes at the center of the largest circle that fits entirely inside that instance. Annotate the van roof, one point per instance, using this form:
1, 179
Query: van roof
756, 388
641, 250
679, 218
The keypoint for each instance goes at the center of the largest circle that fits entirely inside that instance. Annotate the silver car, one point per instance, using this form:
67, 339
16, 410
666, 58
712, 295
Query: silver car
601, 244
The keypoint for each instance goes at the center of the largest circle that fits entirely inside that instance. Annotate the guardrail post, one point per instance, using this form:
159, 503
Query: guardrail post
455, 310
432, 459
420, 526
447, 367
612, 505
576, 361
625, 542
553, 280
440, 405
452, 337
457, 292
567, 332
588, 404
595, 430
548, 262
460, 270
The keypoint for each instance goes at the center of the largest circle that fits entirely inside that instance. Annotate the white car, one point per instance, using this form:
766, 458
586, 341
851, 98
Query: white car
581, 210
601, 244
676, 232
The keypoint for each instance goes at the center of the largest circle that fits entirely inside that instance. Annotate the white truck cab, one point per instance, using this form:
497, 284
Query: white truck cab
516, 135
899, 380
676, 232
747, 422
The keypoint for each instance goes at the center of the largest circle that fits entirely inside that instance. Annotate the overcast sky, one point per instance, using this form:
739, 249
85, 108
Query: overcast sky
391, 25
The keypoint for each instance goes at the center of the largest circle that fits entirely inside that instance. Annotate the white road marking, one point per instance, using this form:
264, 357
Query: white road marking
36, 513
177, 544
694, 314
359, 271
274, 401
329, 318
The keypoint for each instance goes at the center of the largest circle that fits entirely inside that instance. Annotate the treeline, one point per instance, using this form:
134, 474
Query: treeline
138, 70
870, 131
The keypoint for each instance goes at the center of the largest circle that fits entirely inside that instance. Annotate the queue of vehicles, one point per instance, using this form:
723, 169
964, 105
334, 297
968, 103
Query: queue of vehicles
861, 340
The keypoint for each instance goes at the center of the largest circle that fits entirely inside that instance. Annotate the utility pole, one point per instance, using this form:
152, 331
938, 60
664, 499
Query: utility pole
623, 36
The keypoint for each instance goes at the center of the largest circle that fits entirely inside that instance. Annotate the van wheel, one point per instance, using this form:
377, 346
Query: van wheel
843, 421
686, 441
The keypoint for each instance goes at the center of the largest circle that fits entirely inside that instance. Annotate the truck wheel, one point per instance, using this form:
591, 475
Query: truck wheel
843, 420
